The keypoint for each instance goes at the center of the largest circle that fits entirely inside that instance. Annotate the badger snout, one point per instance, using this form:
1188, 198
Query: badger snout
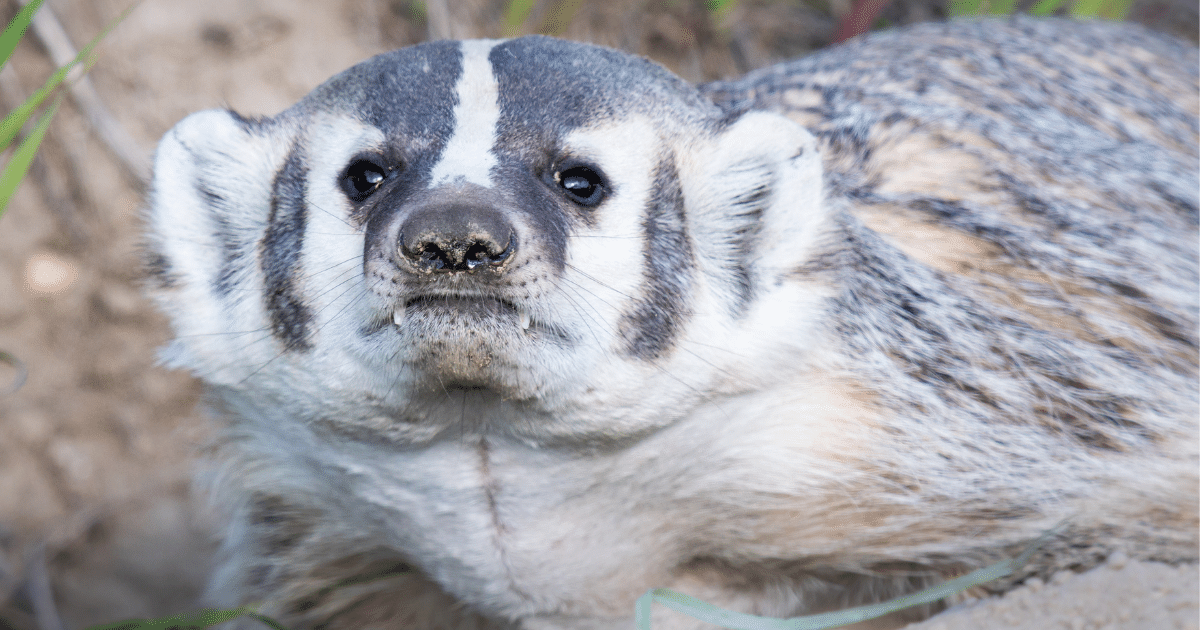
461, 273
456, 237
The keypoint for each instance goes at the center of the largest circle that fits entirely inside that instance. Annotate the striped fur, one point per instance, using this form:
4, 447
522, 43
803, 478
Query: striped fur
833, 331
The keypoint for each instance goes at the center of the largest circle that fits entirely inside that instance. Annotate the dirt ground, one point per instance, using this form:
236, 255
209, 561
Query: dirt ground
96, 448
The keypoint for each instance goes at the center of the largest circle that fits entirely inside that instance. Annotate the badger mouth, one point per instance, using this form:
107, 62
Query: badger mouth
457, 309
439, 314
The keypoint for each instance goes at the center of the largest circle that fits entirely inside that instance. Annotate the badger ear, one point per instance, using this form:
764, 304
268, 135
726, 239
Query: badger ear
209, 204
754, 201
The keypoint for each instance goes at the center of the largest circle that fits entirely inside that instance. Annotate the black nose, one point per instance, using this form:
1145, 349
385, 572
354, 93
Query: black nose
456, 238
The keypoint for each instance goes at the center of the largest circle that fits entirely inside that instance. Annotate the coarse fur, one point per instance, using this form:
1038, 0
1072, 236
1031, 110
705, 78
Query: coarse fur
834, 331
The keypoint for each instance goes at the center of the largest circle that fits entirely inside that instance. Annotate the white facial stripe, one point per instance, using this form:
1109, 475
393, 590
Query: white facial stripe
468, 155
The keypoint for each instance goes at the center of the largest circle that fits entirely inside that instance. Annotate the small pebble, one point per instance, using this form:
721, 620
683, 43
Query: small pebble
48, 274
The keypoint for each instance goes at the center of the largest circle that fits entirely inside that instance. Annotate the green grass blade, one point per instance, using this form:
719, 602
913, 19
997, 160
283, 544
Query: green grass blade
1116, 9
16, 29
1002, 7
1045, 7
517, 12
18, 165
959, 8
706, 612
559, 17
16, 119
1086, 8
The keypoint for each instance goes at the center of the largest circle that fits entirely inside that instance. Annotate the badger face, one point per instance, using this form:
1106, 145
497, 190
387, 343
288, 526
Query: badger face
530, 237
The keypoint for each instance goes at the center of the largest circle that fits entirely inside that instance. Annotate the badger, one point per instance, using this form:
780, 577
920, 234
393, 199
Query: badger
504, 333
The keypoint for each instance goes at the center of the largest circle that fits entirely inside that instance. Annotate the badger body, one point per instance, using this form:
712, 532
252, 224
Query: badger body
505, 333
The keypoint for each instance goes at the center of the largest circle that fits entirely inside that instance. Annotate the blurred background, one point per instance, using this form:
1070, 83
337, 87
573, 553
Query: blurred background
97, 522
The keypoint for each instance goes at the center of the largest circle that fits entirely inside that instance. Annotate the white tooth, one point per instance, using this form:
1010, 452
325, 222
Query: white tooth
524, 314
398, 315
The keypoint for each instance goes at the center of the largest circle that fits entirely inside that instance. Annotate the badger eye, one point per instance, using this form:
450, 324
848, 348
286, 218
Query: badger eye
362, 178
582, 184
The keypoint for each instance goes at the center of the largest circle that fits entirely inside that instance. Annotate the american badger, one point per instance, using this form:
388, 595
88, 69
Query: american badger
508, 332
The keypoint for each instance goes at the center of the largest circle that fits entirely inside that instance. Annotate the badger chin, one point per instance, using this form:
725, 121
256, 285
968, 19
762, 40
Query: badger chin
463, 343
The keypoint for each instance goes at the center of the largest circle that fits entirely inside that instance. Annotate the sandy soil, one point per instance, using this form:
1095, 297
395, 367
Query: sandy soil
96, 448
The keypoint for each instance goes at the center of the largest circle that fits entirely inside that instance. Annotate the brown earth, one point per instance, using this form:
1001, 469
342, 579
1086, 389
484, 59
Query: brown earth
96, 449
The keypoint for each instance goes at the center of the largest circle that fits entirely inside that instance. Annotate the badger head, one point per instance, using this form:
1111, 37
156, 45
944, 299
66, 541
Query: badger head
533, 237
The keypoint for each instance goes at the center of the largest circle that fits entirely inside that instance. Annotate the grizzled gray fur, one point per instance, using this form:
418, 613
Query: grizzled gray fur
505, 333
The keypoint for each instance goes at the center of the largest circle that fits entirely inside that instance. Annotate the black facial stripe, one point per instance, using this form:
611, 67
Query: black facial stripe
548, 88
747, 210
548, 214
234, 261
529, 121
650, 330
280, 254
577, 85
236, 245
408, 94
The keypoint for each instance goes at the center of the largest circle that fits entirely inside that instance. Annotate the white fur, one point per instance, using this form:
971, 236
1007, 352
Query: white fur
468, 154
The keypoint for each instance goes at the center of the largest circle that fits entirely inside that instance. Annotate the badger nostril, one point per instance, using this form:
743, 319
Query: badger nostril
476, 254
432, 256
456, 255
485, 254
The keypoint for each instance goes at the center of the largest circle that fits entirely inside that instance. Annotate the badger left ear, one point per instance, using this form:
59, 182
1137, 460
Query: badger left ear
209, 206
754, 200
